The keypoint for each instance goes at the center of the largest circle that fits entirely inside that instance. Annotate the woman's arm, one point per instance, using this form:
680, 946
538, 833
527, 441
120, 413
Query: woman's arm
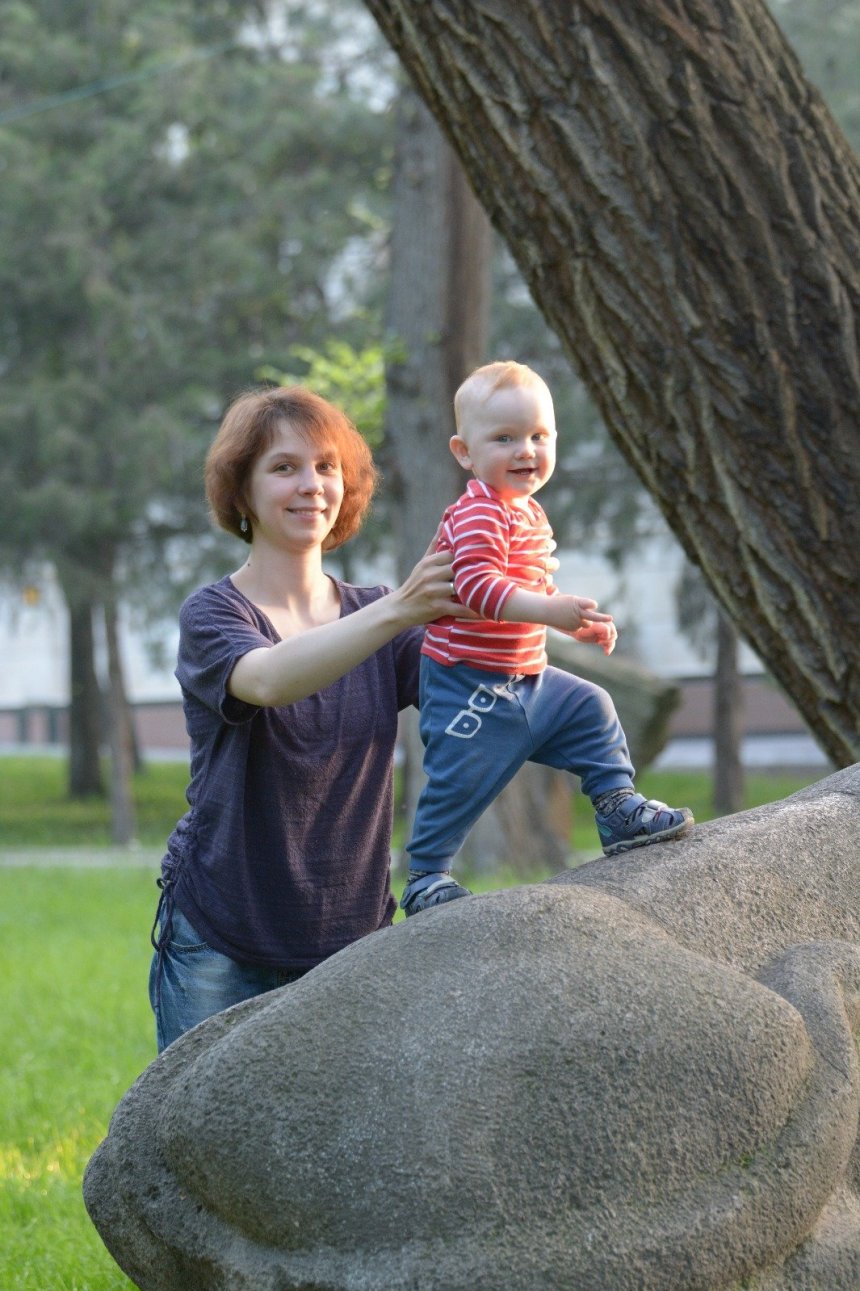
300, 665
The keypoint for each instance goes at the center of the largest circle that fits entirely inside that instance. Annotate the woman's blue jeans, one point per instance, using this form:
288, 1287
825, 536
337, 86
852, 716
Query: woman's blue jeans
196, 981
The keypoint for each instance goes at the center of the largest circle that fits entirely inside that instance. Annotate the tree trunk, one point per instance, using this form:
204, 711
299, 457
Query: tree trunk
685, 212
122, 741
85, 776
728, 771
438, 317
437, 324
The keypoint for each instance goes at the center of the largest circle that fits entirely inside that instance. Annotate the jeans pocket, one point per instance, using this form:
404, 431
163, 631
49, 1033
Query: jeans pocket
183, 935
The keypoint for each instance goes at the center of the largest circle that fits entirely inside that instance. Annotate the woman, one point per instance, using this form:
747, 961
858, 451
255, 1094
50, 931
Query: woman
292, 682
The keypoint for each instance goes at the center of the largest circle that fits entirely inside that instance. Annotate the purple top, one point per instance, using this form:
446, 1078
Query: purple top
284, 855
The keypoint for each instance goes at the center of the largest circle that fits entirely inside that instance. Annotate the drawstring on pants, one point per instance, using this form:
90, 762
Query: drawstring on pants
163, 922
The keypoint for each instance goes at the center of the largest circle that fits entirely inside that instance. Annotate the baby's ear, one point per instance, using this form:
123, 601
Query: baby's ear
460, 449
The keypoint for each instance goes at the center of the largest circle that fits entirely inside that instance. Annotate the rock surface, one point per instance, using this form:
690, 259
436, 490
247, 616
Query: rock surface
642, 1074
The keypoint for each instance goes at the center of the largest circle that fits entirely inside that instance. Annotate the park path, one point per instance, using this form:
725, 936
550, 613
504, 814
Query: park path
91, 858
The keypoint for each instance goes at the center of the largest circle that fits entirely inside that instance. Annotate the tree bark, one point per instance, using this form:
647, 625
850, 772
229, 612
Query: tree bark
728, 772
685, 212
121, 732
436, 321
85, 777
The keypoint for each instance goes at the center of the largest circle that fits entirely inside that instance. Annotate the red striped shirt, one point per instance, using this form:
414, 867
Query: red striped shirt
497, 548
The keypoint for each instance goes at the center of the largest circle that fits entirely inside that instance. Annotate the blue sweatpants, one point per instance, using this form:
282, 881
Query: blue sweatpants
479, 728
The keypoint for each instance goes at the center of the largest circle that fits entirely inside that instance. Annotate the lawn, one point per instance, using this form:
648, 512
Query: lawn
75, 1031
35, 810
76, 1028
686, 789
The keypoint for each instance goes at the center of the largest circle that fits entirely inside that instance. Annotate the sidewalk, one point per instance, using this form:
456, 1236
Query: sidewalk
778, 752
88, 858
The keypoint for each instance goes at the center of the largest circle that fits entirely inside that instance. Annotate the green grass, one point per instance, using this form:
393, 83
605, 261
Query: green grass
75, 1031
691, 789
36, 811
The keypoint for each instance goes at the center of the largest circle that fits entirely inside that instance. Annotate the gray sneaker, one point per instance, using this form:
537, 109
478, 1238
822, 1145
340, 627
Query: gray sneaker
637, 821
424, 890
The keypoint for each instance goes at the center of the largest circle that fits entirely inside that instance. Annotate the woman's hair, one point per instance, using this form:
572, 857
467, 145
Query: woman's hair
248, 430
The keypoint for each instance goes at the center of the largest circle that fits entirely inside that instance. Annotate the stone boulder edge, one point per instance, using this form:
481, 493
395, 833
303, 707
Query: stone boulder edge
642, 1074
746, 887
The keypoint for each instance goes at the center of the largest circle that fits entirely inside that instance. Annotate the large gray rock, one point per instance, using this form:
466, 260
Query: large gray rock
640, 1075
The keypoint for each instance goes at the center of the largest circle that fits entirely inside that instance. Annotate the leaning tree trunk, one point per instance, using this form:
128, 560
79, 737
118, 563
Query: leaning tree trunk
687, 216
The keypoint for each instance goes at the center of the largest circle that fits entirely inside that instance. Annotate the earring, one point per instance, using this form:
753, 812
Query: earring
243, 524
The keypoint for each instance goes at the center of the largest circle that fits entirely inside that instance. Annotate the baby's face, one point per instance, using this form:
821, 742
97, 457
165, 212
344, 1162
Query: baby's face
508, 441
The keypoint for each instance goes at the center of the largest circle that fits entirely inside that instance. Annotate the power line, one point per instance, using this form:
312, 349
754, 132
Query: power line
24, 110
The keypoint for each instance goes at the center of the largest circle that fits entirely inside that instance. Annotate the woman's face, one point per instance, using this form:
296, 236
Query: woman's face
295, 490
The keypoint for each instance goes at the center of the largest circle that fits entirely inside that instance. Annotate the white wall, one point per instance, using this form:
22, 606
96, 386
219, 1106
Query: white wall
641, 599
34, 652
34, 638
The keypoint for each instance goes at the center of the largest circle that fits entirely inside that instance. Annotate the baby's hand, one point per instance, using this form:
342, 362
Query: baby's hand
594, 627
603, 634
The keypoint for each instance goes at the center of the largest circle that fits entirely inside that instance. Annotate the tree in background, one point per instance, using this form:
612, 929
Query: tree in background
715, 638
193, 224
436, 320
181, 187
684, 211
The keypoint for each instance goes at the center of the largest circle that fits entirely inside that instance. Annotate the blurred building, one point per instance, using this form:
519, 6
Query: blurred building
34, 678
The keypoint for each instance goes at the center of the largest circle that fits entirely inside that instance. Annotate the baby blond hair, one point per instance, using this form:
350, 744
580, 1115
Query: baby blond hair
485, 381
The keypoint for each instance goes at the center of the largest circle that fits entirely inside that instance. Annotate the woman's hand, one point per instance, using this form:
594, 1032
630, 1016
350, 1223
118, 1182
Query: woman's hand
428, 592
299, 665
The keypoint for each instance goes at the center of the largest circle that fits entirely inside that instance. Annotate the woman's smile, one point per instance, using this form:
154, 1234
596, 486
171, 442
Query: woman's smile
296, 485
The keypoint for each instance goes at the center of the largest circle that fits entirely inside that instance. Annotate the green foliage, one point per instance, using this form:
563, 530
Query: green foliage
160, 241
354, 379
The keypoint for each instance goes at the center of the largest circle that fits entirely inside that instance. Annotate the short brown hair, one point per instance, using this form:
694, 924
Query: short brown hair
248, 430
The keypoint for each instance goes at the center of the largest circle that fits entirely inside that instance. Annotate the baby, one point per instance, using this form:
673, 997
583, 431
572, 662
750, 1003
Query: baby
489, 702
